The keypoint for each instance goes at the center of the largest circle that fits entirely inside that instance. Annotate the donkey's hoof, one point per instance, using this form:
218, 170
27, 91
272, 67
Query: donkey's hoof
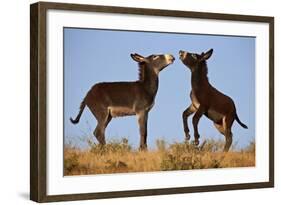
143, 148
195, 142
187, 136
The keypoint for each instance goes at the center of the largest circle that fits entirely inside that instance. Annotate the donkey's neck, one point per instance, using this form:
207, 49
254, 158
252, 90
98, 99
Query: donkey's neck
150, 81
199, 78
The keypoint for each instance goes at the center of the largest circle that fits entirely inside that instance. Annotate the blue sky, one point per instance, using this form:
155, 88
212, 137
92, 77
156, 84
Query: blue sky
92, 56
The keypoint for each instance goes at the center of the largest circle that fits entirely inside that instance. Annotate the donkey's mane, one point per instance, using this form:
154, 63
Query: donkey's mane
141, 72
202, 72
204, 67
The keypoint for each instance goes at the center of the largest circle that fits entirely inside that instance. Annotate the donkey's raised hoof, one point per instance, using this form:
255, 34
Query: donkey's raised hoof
187, 137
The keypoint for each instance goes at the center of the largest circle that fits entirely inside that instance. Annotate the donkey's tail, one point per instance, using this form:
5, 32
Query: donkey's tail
240, 123
82, 106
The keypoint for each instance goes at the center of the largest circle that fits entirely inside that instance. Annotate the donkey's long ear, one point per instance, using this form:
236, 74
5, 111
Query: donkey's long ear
207, 55
137, 57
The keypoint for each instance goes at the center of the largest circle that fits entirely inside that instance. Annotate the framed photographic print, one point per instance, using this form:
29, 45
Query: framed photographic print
134, 102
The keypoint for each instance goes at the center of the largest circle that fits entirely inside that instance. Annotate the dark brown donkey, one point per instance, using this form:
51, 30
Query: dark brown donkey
116, 99
207, 100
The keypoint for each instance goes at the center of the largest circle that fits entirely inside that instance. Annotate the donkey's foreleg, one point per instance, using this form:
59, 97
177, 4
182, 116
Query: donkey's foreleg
195, 121
142, 120
185, 115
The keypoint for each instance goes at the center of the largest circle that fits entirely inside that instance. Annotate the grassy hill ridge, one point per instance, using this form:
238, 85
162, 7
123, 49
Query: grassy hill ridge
119, 157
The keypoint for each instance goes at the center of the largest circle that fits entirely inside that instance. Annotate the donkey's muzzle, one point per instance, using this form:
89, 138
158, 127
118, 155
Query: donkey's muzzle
182, 54
170, 58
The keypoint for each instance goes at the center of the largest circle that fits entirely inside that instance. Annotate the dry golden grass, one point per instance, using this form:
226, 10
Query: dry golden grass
119, 157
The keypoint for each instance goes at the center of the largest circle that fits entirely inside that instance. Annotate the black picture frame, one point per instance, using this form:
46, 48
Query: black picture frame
38, 102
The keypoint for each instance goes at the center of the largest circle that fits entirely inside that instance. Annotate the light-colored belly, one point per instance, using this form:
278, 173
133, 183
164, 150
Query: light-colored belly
214, 115
120, 111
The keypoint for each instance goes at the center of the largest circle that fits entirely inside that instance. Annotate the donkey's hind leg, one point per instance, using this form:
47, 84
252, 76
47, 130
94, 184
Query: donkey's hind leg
190, 110
227, 133
228, 140
99, 132
220, 128
227, 124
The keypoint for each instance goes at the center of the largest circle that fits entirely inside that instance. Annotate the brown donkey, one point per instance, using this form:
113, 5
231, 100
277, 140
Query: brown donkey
116, 99
207, 100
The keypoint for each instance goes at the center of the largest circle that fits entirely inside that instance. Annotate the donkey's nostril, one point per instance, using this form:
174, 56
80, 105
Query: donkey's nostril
181, 54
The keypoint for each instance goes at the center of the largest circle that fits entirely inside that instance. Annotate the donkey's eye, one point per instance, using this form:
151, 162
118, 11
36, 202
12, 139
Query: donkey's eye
194, 56
155, 57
